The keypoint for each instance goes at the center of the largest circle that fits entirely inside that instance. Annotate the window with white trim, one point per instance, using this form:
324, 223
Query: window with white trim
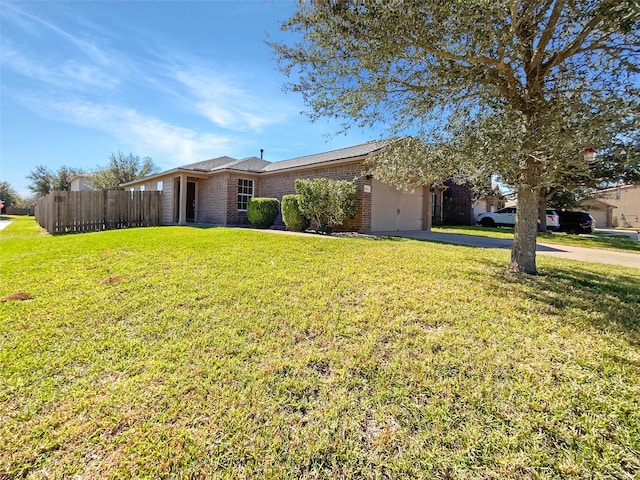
245, 192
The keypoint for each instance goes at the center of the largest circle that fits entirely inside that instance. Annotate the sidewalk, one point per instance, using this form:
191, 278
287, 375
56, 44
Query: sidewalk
611, 257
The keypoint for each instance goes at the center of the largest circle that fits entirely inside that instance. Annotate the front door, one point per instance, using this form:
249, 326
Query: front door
191, 201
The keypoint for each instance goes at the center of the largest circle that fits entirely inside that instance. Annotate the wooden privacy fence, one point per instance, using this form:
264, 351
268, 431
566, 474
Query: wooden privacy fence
66, 212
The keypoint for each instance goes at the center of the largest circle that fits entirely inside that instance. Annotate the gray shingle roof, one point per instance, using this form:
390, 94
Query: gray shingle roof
342, 153
257, 165
208, 165
249, 164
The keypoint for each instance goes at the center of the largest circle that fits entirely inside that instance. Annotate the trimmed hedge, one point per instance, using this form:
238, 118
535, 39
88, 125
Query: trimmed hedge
291, 214
262, 212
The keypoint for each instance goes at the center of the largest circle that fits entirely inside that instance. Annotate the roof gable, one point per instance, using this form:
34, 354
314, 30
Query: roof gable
249, 164
208, 165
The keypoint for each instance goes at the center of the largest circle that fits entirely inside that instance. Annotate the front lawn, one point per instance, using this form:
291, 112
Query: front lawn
595, 240
231, 353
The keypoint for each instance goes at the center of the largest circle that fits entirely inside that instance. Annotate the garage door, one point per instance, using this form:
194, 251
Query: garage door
394, 210
600, 216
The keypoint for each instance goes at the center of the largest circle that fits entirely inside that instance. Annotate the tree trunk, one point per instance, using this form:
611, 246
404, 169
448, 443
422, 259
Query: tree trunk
542, 214
523, 253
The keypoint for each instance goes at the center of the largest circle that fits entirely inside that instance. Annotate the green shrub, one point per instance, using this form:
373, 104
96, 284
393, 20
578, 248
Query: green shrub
291, 214
326, 202
262, 212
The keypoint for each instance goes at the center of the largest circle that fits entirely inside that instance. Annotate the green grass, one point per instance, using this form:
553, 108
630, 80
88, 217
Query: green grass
230, 353
596, 240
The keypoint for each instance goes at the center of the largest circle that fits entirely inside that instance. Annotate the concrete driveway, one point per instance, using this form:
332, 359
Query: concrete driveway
4, 223
612, 257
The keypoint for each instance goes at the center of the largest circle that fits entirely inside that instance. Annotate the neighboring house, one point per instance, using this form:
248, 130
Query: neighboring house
491, 202
626, 201
82, 183
601, 211
216, 191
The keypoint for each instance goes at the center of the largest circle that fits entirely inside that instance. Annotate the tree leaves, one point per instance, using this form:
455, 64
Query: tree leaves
121, 169
517, 88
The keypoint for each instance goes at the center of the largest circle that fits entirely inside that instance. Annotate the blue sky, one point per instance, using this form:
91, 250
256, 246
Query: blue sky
177, 81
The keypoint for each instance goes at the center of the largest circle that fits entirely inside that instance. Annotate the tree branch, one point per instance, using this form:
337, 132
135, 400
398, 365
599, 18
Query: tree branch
573, 48
547, 34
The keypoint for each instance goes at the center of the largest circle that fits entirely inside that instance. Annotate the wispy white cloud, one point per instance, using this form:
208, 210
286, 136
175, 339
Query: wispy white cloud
36, 25
145, 134
71, 54
69, 74
109, 87
228, 105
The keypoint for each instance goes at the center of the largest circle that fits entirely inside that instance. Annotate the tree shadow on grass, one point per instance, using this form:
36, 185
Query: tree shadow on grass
462, 239
610, 301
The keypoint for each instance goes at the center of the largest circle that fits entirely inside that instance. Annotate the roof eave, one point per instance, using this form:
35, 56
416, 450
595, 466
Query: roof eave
166, 173
310, 166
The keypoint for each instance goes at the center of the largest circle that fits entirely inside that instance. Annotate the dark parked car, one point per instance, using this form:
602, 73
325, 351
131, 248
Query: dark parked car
576, 222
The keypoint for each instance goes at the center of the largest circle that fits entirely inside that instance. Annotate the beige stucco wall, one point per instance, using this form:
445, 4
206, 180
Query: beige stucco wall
167, 200
626, 199
81, 184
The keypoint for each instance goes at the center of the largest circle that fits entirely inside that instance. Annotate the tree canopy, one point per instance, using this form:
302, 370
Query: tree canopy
516, 87
121, 169
8, 195
43, 180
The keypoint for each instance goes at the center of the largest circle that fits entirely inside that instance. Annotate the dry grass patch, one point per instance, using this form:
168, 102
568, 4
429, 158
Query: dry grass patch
17, 296
111, 279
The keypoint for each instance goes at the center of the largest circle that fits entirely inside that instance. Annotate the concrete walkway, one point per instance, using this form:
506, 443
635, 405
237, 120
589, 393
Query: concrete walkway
4, 223
612, 257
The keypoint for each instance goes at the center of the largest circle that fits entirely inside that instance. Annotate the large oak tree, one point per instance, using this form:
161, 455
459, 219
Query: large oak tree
517, 87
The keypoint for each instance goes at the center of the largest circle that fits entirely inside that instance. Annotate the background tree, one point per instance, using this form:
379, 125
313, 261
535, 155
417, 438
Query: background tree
27, 201
43, 180
8, 195
615, 163
620, 162
121, 169
62, 178
486, 85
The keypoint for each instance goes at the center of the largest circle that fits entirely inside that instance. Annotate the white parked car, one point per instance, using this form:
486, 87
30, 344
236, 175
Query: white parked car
506, 217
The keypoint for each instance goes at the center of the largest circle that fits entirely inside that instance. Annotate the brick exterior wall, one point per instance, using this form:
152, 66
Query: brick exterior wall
217, 196
212, 200
235, 216
275, 185
457, 207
